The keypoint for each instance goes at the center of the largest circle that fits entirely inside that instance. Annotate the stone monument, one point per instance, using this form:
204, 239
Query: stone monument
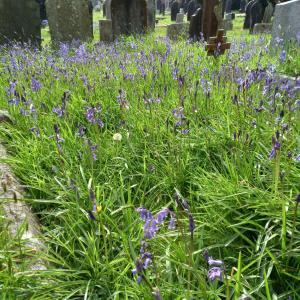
20, 21
69, 20
129, 17
286, 22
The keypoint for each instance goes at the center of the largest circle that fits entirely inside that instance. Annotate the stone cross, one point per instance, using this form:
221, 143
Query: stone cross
20, 21
218, 44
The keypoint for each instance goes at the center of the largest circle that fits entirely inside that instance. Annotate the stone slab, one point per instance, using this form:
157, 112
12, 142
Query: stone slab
17, 212
286, 21
106, 34
180, 18
69, 20
177, 30
20, 21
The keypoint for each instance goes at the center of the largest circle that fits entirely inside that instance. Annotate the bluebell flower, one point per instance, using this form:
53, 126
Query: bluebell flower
215, 273
35, 85
157, 295
275, 148
282, 56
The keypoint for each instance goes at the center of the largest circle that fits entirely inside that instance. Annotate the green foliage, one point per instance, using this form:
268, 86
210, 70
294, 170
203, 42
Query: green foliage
244, 213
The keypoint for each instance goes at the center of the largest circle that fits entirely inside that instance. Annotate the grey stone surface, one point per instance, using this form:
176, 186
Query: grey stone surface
20, 21
269, 11
107, 5
227, 25
177, 30
151, 10
260, 28
69, 20
129, 17
106, 34
286, 21
180, 18
17, 214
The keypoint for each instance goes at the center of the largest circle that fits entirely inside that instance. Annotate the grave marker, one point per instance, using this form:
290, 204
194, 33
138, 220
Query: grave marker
69, 20
20, 21
180, 16
129, 17
195, 29
217, 45
286, 23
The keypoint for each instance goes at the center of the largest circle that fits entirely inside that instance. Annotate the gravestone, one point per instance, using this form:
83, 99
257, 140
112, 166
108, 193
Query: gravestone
174, 10
269, 11
151, 14
107, 9
106, 33
257, 12
228, 6
286, 22
177, 30
180, 17
261, 28
191, 9
227, 25
218, 44
248, 14
69, 20
195, 29
128, 17
209, 19
20, 21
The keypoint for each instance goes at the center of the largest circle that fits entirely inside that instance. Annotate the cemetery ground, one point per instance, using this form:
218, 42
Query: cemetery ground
155, 171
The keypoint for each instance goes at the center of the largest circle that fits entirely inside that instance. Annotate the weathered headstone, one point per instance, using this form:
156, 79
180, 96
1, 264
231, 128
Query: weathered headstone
209, 19
177, 30
191, 9
195, 29
269, 11
260, 28
107, 9
248, 14
151, 14
106, 33
20, 21
257, 12
228, 6
129, 17
227, 25
286, 22
69, 20
174, 10
180, 16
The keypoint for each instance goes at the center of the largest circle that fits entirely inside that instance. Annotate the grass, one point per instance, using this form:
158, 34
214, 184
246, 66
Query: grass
193, 127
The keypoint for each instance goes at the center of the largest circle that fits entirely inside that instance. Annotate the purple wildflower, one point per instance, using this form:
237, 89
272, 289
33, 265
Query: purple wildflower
298, 199
91, 215
214, 262
214, 273
276, 147
93, 115
297, 159
156, 294
35, 85
282, 56
144, 213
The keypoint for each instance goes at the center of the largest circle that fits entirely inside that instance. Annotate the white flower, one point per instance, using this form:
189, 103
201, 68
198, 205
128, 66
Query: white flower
117, 137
